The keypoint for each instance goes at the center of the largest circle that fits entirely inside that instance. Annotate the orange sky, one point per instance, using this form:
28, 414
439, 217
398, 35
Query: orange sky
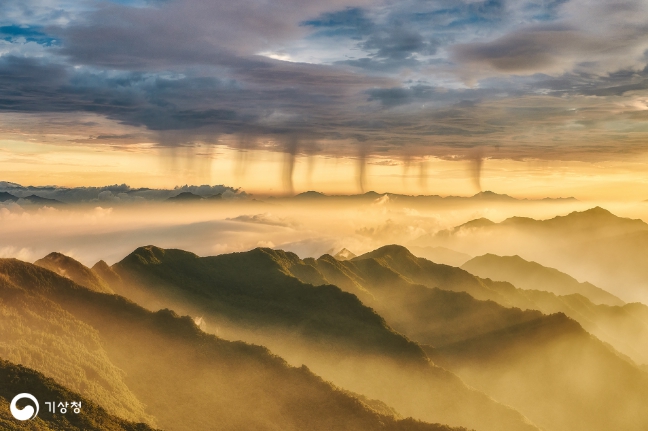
262, 172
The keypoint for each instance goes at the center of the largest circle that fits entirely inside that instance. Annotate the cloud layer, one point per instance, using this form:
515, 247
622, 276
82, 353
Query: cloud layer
115, 193
556, 79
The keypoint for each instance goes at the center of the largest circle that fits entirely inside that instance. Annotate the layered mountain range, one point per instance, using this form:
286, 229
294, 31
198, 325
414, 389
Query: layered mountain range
29, 199
484, 196
593, 245
265, 340
160, 368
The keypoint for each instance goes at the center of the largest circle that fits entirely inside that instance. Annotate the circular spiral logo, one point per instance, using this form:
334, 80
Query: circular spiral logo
26, 413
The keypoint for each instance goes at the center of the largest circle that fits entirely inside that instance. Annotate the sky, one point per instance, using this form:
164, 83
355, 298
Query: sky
530, 98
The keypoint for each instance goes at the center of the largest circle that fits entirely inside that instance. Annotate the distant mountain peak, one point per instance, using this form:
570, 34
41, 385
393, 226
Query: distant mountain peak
280, 257
153, 255
31, 199
530, 275
35, 199
101, 265
4, 196
74, 270
599, 216
480, 222
392, 250
487, 194
585, 219
150, 253
185, 196
596, 210
55, 255
107, 274
310, 195
344, 254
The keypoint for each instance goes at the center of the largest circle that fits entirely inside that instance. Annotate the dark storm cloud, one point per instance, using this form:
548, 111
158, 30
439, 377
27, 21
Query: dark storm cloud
393, 49
28, 85
185, 32
443, 75
435, 96
594, 37
619, 83
398, 43
389, 45
439, 102
532, 49
179, 103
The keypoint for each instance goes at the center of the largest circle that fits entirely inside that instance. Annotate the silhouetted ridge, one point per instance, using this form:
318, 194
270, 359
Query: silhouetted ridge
74, 270
454, 321
192, 197
424, 272
593, 217
487, 194
310, 195
185, 196
33, 199
392, 251
258, 288
107, 274
191, 380
34, 278
272, 297
372, 195
480, 222
594, 244
152, 255
4, 197
408, 292
596, 217
533, 276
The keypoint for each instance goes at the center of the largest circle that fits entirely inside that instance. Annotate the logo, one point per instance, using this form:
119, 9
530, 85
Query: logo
27, 412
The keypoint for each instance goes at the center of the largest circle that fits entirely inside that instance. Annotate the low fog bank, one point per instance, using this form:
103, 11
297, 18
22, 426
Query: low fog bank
101, 230
309, 227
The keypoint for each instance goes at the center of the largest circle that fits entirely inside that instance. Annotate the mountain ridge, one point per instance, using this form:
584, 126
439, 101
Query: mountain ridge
481, 196
531, 352
531, 275
594, 245
167, 358
392, 277
229, 285
72, 269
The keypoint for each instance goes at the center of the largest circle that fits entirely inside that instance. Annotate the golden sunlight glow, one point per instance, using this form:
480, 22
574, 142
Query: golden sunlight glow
262, 172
